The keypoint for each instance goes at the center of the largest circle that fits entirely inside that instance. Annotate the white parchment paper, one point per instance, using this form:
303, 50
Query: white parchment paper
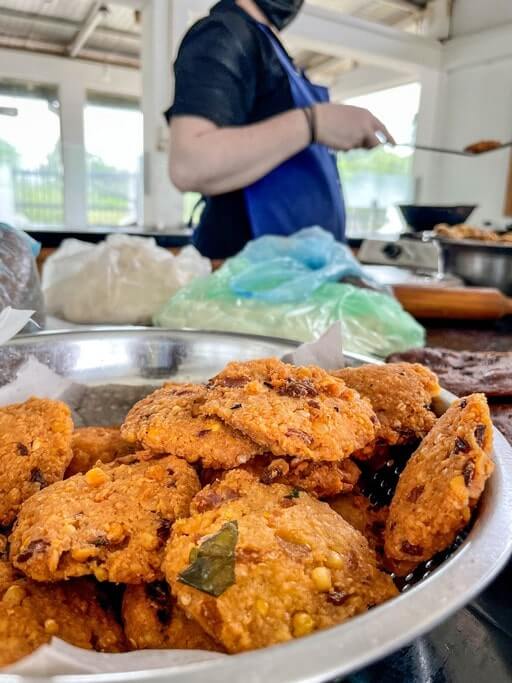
35, 379
12, 321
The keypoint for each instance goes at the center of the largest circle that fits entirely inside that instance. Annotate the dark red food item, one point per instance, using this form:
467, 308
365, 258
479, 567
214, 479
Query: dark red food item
501, 414
465, 372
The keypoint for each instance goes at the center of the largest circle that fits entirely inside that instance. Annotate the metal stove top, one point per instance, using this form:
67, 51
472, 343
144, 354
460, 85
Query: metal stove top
408, 260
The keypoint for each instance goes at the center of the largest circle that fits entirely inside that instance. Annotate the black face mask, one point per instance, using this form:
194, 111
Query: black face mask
280, 13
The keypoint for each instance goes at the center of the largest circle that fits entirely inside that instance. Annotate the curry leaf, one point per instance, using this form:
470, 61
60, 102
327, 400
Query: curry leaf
212, 564
294, 493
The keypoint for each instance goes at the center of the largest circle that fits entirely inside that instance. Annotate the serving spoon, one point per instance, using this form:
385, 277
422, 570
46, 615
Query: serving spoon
457, 152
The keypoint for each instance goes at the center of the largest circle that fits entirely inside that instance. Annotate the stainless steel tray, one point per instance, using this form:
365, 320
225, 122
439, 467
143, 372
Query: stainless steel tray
146, 357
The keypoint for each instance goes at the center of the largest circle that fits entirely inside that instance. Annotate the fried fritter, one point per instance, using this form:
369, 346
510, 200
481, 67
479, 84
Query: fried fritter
263, 564
319, 479
31, 613
153, 621
112, 522
441, 483
368, 519
169, 421
483, 146
292, 411
401, 395
96, 444
35, 449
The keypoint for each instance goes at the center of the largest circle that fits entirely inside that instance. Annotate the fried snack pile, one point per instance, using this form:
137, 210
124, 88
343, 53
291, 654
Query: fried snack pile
469, 232
232, 515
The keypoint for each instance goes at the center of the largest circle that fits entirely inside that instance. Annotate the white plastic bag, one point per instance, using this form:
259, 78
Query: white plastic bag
123, 280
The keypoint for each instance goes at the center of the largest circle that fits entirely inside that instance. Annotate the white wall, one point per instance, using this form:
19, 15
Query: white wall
474, 103
477, 106
470, 16
73, 79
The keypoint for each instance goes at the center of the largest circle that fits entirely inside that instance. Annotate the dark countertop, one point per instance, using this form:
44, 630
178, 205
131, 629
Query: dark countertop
51, 239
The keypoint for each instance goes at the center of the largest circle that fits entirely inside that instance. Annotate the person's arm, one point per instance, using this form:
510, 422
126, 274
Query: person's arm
209, 159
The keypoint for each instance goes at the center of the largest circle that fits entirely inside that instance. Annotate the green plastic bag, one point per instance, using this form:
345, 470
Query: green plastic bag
373, 323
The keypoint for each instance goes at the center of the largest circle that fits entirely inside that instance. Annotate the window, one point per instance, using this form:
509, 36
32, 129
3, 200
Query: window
374, 182
113, 131
31, 176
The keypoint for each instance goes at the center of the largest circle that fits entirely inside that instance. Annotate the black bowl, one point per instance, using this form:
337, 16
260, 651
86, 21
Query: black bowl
420, 218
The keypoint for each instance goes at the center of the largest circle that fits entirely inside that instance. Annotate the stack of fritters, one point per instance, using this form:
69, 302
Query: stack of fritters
231, 515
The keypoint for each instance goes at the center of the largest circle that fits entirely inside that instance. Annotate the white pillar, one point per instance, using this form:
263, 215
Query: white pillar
72, 102
162, 28
429, 133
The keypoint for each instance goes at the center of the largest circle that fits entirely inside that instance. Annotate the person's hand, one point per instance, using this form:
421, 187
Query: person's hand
343, 127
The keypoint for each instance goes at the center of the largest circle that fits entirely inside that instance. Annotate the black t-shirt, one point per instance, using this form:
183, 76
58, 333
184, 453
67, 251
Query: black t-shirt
227, 72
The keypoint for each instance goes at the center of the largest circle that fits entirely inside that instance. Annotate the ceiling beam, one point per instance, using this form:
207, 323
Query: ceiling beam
333, 33
96, 15
475, 49
45, 20
44, 47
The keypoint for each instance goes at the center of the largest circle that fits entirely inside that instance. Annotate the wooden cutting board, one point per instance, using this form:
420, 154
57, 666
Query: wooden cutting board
453, 303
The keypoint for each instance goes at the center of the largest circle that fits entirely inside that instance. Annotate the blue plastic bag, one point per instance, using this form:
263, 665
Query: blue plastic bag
289, 269
373, 323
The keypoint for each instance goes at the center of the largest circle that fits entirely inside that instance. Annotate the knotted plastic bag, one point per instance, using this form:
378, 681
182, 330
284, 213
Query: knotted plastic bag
372, 322
122, 280
288, 269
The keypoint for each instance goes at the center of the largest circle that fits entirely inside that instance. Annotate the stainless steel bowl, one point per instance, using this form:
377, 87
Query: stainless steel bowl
483, 264
145, 357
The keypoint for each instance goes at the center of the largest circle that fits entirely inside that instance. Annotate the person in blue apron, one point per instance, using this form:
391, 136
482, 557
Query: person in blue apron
253, 135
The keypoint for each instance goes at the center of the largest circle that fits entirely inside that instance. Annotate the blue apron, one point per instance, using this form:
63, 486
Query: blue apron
305, 190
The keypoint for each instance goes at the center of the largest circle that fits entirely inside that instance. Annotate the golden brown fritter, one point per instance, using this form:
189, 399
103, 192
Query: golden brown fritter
319, 479
441, 483
401, 395
368, 519
483, 146
112, 522
169, 421
292, 411
35, 449
31, 613
8, 575
153, 621
281, 565
91, 445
